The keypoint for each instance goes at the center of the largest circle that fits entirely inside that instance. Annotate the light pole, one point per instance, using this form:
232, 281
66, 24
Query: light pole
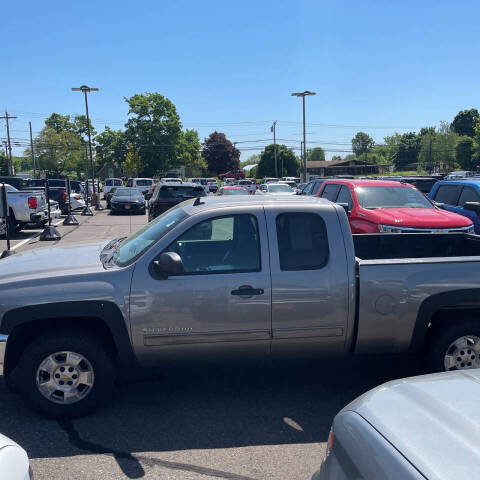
85, 89
272, 129
303, 95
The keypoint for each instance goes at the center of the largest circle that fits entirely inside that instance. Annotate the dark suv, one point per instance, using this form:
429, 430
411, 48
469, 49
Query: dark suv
167, 195
312, 187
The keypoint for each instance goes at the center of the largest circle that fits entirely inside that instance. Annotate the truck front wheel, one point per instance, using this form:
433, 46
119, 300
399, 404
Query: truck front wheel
456, 347
65, 373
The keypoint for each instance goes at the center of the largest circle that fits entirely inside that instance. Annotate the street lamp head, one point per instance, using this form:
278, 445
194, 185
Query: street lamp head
85, 88
303, 94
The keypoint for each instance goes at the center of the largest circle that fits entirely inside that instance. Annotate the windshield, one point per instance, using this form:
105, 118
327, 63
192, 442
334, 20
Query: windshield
279, 188
144, 182
179, 191
125, 192
391, 197
235, 191
138, 243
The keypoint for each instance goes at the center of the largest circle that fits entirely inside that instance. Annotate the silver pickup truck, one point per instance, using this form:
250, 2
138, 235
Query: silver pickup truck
242, 276
24, 207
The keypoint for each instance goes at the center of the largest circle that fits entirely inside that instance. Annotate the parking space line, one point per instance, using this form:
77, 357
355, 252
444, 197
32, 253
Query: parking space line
23, 242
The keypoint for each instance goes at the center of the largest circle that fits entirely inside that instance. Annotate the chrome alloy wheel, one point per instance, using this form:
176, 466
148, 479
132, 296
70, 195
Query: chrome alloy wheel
65, 377
463, 353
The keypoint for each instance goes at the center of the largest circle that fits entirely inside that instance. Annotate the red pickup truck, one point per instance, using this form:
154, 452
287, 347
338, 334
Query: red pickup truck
236, 174
375, 206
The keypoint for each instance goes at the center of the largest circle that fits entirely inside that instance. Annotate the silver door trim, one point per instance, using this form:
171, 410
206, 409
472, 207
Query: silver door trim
159, 339
308, 332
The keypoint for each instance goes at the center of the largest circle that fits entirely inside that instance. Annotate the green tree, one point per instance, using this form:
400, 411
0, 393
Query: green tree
58, 152
285, 157
407, 150
362, 143
444, 146
336, 158
63, 123
465, 121
316, 154
111, 147
189, 154
220, 154
3, 165
464, 153
133, 162
154, 129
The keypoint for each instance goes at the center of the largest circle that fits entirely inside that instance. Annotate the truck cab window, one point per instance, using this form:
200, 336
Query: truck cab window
220, 245
302, 241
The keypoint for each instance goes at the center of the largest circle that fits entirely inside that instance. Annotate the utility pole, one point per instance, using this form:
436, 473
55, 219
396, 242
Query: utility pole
10, 161
32, 152
272, 129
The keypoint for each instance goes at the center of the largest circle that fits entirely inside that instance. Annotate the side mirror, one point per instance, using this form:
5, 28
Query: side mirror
345, 207
439, 205
474, 206
168, 264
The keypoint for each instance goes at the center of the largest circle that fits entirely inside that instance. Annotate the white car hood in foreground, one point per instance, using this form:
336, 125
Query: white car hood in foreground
14, 464
433, 420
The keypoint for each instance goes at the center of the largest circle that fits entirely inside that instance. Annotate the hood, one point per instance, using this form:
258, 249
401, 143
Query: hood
418, 217
52, 261
433, 420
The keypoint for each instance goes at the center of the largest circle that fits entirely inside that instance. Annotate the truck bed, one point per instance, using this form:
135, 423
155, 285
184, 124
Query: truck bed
415, 245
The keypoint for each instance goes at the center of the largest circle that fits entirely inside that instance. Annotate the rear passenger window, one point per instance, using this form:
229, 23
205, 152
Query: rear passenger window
302, 241
468, 194
316, 188
308, 189
345, 197
330, 192
447, 194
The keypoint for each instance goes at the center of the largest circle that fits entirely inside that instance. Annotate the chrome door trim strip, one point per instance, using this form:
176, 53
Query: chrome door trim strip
152, 340
308, 332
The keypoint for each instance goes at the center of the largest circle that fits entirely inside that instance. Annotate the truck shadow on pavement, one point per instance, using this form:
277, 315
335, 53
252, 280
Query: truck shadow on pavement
205, 407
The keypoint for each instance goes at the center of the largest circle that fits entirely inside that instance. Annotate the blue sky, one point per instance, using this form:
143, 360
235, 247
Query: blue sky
377, 66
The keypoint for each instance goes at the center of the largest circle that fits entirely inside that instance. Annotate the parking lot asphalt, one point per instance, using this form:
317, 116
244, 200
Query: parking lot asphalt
102, 226
264, 420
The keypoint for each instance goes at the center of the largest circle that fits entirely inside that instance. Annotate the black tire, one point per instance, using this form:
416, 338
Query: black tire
77, 341
441, 339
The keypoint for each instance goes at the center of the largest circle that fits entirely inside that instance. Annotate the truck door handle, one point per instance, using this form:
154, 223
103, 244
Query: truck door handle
247, 291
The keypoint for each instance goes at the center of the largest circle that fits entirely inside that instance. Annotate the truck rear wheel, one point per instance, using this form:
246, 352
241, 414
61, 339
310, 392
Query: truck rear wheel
456, 347
65, 373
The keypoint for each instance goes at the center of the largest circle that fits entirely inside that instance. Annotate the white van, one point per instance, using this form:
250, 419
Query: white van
143, 184
111, 183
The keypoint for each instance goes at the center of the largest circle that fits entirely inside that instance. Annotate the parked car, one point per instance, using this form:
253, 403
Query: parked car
248, 185
235, 174
168, 195
268, 180
128, 200
275, 189
111, 183
212, 185
295, 180
57, 190
424, 184
232, 191
14, 463
17, 182
238, 277
202, 181
171, 180
143, 184
459, 196
312, 187
458, 175
417, 428
299, 188
390, 207
24, 208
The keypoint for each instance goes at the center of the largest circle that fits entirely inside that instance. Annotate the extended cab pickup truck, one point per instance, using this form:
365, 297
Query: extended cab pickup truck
252, 275
23, 208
